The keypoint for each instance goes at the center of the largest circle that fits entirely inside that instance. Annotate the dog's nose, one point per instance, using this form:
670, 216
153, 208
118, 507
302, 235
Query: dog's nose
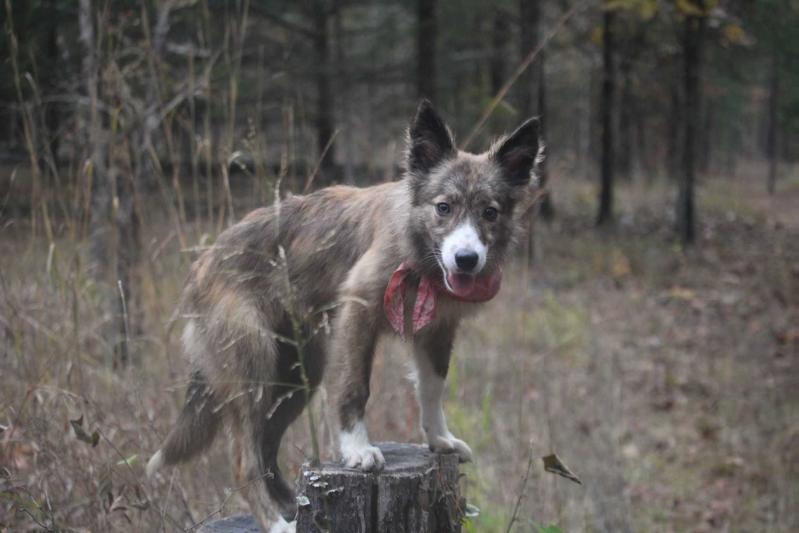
466, 260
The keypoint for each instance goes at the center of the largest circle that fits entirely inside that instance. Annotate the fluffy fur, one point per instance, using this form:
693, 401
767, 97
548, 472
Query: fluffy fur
305, 279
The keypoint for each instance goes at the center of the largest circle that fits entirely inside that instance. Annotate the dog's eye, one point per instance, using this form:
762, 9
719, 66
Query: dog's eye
442, 208
490, 214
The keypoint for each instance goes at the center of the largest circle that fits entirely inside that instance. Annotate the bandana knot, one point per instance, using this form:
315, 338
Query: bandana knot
424, 308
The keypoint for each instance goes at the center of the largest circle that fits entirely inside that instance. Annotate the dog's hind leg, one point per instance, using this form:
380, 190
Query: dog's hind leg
255, 472
252, 475
268, 420
268, 443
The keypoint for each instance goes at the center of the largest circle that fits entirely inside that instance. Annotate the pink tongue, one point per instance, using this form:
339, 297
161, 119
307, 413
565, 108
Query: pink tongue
475, 288
462, 284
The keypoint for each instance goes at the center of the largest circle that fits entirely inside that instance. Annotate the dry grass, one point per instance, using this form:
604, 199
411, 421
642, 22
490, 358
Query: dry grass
665, 379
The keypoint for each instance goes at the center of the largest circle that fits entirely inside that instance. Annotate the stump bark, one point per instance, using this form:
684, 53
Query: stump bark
416, 492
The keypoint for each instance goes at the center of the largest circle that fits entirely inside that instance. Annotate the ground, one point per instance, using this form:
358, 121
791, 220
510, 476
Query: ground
666, 379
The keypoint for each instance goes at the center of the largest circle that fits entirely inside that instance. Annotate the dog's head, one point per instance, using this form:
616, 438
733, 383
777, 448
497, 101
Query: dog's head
462, 215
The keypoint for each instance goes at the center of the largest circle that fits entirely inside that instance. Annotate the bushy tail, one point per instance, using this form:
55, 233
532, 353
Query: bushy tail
195, 429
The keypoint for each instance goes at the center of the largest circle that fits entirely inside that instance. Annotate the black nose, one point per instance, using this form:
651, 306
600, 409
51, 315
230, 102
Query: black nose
466, 260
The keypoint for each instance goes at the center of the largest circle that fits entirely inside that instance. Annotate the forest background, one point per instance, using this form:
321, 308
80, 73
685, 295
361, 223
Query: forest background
648, 332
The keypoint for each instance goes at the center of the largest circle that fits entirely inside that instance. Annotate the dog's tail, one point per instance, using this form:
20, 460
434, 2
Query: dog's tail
195, 429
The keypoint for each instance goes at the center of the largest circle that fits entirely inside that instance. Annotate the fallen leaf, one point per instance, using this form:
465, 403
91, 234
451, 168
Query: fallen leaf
554, 465
621, 266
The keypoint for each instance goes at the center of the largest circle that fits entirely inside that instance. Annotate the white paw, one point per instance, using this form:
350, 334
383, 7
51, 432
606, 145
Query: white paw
283, 527
449, 444
356, 452
366, 457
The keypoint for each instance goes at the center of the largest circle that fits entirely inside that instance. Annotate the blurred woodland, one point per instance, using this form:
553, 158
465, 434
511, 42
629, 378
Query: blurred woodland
649, 332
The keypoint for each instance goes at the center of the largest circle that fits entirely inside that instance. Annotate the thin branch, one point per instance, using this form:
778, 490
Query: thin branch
313, 174
520, 70
515, 515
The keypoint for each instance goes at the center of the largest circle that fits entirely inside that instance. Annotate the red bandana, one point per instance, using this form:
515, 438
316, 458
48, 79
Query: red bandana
479, 289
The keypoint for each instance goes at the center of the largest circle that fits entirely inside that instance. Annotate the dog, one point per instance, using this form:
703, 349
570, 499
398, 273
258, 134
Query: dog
328, 273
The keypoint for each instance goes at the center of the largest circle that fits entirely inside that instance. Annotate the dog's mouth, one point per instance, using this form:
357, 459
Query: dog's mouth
471, 287
459, 283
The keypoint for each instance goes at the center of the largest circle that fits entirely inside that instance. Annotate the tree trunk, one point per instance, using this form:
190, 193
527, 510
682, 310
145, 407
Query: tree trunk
476, 72
673, 128
547, 207
103, 242
532, 100
584, 120
52, 111
693, 38
499, 44
344, 92
113, 221
417, 492
426, 49
645, 163
605, 215
532, 82
705, 139
773, 121
324, 96
97, 180
529, 14
127, 185
593, 115
625, 117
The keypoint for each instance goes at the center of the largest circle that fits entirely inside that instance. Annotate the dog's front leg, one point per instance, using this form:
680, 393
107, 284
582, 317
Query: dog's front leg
354, 345
431, 352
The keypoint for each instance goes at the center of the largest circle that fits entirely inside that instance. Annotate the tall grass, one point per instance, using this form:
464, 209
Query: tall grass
664, 379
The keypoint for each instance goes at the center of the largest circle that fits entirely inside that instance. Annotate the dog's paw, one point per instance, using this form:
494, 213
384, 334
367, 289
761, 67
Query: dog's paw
449, 444
365, 457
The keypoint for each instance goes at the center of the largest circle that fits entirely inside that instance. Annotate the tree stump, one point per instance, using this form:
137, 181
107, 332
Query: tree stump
416, 492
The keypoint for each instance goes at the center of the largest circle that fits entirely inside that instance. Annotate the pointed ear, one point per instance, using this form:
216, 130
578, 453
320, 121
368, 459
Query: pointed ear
429, 140
518, 154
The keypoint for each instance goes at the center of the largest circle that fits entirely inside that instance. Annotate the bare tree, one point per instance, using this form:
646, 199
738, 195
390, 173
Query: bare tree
634, 42
343, 69
533, 84
626, 112
529, 16
693, 40
324, 92
96, 169
500, 33
674, 113
605, 216
426, 34
103, 242
773, 122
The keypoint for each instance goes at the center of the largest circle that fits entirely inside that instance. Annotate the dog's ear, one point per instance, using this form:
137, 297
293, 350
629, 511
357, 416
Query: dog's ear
429, 140
519, 153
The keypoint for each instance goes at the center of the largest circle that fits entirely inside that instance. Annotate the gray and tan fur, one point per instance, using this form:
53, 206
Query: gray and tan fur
284, 272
